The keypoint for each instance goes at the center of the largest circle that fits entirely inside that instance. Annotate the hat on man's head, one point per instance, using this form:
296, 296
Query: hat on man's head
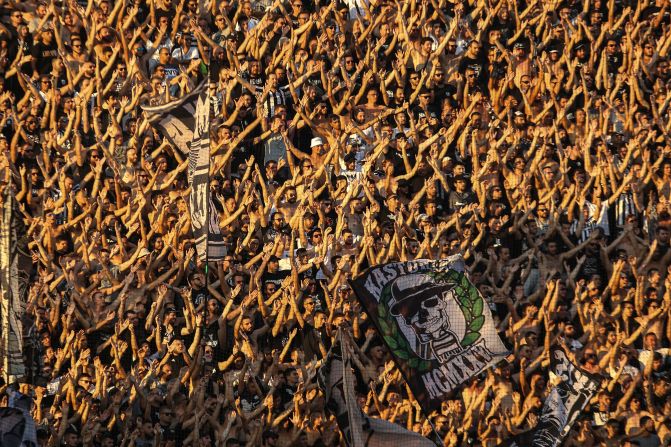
316, 141
580, 44
349, 157
410, 291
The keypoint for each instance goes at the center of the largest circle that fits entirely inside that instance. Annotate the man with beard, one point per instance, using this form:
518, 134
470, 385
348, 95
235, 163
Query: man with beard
472, 60
254, 76
314, 334
277, 222
199, 292
290, 203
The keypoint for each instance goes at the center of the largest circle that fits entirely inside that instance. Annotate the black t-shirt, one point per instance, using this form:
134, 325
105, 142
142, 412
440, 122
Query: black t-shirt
275, 278
257, 81
476, 64
457, 200
311, 337
286, 393
43, 55
199, 296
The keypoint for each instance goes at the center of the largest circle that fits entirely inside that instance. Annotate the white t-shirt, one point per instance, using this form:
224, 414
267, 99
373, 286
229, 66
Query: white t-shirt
181, 56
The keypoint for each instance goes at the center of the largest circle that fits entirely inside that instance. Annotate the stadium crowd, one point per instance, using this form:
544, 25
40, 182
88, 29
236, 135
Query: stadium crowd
530, 136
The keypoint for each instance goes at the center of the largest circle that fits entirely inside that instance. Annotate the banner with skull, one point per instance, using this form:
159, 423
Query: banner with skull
434, 321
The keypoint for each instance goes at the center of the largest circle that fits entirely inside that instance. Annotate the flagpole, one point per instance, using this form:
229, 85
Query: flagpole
207, 206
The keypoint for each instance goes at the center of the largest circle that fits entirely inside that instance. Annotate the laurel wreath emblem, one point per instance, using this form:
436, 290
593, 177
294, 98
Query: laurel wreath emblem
470, 301
471, 304
395, 340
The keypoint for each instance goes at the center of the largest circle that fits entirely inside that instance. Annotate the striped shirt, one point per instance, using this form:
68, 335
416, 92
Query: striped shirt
593, 222
274, 99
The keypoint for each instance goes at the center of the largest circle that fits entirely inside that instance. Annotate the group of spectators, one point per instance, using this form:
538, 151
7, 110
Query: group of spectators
530, 136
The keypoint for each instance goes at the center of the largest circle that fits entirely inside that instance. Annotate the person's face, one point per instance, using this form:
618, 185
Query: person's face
470, 77
413, 246
165, 415
161, 164
16, 18
254, 68
384, 30
46, 340
270, 289
651, 341
292, 378
590, 358
596, 18
426, 47
61, 246
650, 425
84, 382
71, 439
47, 36
164, 56
247, 101
309, 305
271, 169
198, 280
474, 49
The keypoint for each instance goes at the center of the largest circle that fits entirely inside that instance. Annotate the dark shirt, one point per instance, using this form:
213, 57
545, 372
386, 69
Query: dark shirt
43, 55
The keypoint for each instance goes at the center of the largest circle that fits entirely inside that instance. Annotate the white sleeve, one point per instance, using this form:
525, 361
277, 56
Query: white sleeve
603, 218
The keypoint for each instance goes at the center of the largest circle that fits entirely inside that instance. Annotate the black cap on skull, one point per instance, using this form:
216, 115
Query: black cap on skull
411, 290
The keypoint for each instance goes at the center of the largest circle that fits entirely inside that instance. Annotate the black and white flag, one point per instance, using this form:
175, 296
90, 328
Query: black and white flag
13, 288
337, 379
176, 119
567, 399
435, 322
186, 124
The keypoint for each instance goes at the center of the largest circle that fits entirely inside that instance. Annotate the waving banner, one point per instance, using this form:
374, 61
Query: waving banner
566, 400
435, 323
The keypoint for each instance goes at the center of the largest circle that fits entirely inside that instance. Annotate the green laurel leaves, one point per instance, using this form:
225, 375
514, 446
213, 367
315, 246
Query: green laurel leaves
470, 301
395, 340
